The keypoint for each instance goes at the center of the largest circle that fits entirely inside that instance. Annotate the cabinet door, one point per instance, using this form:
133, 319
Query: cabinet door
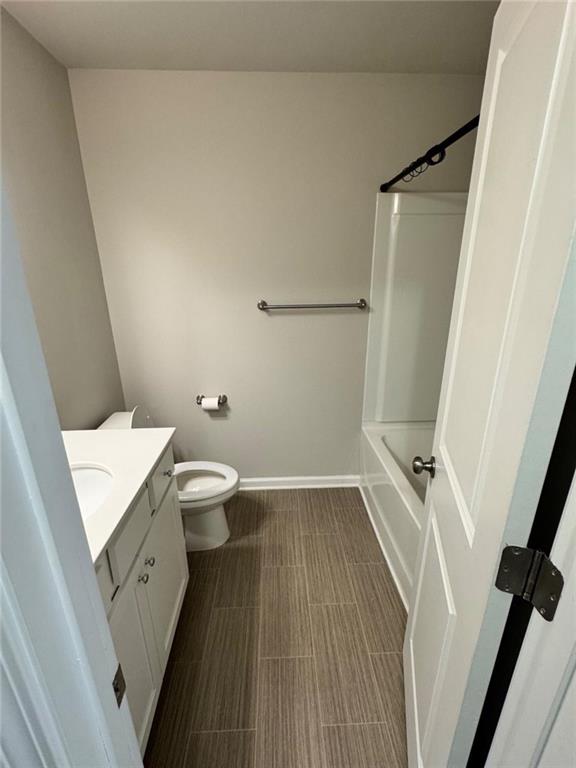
164, 553
133, 636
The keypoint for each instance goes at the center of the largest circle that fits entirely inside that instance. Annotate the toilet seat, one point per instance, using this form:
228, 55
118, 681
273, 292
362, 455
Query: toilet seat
201, 481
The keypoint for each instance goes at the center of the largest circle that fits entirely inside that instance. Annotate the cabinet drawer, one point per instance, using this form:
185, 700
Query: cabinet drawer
160, 478
127, 543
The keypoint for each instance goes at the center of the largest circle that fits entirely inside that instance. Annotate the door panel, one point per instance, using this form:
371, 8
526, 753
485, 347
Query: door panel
518, 111
131, 630
515, 250
435, 613
169, 574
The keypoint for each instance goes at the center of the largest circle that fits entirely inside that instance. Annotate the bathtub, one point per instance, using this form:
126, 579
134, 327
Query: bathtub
394, 494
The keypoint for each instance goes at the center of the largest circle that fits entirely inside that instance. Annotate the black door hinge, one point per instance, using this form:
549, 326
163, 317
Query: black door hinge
531, 575
119, 685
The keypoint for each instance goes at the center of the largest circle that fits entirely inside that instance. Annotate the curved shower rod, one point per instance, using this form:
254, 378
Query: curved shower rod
433, 156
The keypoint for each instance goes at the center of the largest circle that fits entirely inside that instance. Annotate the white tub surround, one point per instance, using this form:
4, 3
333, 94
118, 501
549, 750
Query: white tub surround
417, 241
129, 456
393, 495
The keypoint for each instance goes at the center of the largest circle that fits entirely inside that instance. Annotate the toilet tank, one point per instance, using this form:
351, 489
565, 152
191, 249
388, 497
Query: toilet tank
136, 419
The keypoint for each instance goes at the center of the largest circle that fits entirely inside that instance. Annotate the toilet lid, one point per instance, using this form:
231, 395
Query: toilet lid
198, 480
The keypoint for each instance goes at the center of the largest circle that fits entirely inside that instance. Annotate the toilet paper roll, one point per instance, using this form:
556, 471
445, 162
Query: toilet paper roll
210, 404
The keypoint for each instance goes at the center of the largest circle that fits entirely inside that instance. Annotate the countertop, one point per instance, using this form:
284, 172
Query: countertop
129, 455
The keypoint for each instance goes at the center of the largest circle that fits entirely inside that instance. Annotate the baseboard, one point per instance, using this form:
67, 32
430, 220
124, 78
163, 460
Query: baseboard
312, 481
372, 511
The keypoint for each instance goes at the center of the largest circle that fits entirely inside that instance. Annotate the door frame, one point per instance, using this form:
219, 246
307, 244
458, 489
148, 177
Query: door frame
551, 505
470, 745
536, 724
58, 660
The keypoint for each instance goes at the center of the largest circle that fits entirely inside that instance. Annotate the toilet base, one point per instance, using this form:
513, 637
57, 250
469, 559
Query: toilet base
205, 530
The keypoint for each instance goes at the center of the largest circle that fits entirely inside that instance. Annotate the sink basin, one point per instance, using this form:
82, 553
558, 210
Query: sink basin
92, 485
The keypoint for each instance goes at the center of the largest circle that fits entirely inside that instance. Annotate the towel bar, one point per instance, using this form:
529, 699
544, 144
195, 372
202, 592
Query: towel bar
360, 304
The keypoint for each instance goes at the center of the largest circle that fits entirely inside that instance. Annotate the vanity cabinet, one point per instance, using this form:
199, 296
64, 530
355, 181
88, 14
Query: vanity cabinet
149, 593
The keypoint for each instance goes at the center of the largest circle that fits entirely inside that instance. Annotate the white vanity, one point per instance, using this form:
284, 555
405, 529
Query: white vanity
130, 509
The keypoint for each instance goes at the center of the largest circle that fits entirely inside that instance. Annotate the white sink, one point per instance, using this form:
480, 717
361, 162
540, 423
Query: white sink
92, 485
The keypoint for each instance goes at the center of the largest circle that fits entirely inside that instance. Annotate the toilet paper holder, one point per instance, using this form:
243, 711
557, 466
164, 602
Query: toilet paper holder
222, 399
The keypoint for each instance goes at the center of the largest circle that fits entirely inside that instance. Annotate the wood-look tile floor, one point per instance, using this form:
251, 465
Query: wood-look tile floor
288, 649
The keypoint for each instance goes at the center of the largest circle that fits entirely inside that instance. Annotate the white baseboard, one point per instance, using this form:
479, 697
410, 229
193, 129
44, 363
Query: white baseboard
319, 481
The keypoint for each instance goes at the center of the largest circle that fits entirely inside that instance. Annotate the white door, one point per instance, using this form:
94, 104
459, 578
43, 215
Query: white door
515, 250
536, 727
57, 660
165, 553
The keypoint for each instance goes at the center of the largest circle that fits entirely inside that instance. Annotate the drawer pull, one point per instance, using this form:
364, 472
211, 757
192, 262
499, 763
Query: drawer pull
150, 561
144, 578
168, 473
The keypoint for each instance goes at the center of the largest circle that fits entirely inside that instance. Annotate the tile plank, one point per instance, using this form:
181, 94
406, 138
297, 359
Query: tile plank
285, 620
282, 538
345, 497
326, 570
359, 746
282, 499
207, 559
288, 734
381, 609
239, 582
171, 726
358, 537
222, 749
317, 513
348, 692
389, 675
190, 637
244, 513
225, 696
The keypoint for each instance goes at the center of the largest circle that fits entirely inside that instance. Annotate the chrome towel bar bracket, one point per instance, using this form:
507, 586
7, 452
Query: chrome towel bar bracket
360, 304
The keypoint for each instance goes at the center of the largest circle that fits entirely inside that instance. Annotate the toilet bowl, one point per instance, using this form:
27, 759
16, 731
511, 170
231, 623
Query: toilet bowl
203, 488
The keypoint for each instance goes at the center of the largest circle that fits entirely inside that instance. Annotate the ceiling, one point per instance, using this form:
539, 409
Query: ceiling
410, 36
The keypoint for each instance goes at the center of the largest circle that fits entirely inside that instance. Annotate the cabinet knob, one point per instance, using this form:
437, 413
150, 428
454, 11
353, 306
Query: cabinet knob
144, 578
168, 473
150, 561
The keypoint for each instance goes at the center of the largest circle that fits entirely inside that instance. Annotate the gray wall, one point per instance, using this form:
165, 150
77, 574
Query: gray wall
212, 190
46, 191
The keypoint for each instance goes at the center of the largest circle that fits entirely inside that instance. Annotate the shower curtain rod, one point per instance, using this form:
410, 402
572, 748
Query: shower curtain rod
433, 156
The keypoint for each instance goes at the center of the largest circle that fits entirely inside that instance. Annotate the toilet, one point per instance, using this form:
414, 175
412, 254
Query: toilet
203, 488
